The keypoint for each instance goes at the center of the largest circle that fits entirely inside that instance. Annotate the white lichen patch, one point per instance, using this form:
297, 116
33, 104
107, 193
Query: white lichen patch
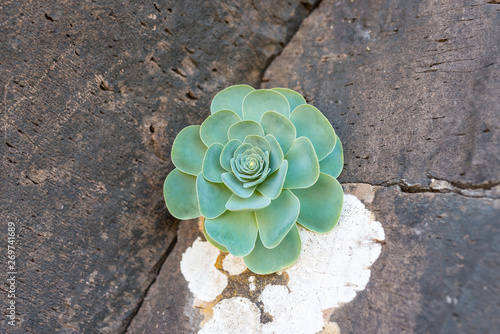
331, 269
251, 285
234, 315
233, 265
333, 266
197, 266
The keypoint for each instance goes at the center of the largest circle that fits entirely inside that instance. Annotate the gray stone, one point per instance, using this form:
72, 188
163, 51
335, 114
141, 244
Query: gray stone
411, 87
168, 307
438, 271
412, 90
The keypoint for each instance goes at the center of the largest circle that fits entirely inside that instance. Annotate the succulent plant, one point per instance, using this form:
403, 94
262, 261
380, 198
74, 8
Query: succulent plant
263, 161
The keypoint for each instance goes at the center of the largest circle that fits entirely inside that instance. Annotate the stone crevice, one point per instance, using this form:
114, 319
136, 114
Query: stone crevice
490, 190
156, 271
308, 7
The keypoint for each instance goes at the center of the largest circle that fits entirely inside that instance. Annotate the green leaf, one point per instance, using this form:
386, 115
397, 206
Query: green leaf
333, 163
254, 202
230, 98
259, 101
212, 169
237, 231
311, 123
244, 147
188, 150
179, 191
303, 165
321, 204
212, 197
212, 241
228, 152
280, 127
272, 186
258, 141
253, 184
265, 261
242, 129
276, 220
294, 98
236, 186
276, 156
214, 128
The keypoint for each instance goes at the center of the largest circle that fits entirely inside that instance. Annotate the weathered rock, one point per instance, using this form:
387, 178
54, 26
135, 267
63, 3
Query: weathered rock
411, 87
438, 270
168, 306
93, 95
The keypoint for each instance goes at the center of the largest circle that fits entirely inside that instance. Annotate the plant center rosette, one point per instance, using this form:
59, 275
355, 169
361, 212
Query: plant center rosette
263, 161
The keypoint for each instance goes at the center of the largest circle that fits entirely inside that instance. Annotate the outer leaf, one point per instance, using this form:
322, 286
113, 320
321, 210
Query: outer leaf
294, 98
333, 163
236, 186
258, 141
280, 127
311, 123
212, 197
277, 219
254, 202
212, 241
227, 153
188, 150
237, 231
244, 128
272, 186
259, 101
179, 191
230, 98
276, 157
214, 128
321, 204
212, 169
264, 261
303, 165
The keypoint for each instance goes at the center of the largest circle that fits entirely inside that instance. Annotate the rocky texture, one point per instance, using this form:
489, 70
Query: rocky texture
93, 94
438, 269
168, 307
411, 87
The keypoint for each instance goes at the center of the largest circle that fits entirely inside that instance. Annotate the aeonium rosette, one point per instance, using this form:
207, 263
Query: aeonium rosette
263, 161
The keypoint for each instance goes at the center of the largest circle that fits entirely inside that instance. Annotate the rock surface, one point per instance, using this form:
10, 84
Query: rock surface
93, 94
438, 269
168, 307
412, 89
